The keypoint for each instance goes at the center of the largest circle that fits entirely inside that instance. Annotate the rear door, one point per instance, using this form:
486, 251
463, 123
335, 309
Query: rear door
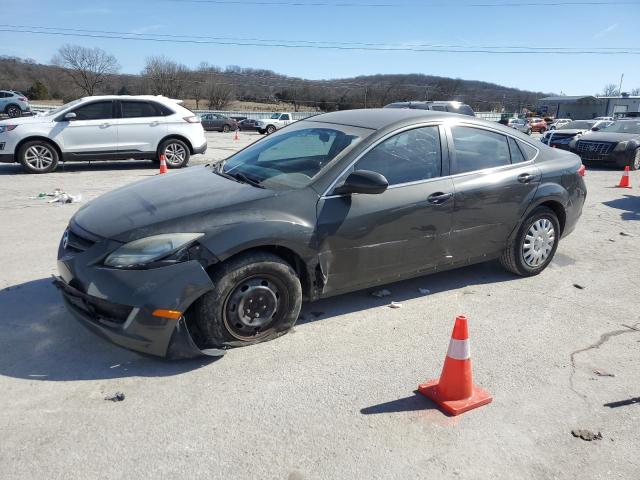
94, 130
141, 127
494, 182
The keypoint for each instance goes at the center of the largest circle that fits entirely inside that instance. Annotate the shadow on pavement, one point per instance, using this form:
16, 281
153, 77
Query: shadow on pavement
41, 341
416, 402
72, 167
630, 204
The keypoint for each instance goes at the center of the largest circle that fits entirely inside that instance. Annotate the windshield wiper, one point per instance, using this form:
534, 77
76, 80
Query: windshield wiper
243, 178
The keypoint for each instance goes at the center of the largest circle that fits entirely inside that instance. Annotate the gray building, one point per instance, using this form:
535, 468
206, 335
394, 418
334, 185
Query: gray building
583, 107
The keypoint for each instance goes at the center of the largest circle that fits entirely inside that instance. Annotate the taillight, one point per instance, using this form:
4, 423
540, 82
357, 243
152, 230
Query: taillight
22, 99
582, 170
192, 119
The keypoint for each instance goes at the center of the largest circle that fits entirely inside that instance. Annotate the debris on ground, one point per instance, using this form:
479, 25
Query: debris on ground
578, 286
381, 293
586, 435
58, 196
602, 373
424, 291
118, 397
625, 234
395, 305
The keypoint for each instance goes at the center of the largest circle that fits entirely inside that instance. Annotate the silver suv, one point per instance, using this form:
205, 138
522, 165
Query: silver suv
14, 104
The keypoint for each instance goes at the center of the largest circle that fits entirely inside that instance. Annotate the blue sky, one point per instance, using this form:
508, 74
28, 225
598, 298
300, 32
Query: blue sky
450, 23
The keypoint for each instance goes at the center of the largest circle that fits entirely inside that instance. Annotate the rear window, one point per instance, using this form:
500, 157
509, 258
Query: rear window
138, 110
528, 151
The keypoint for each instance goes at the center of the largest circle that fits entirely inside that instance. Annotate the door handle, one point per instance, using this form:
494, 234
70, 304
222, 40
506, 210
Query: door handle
526, 177
439, 197
105, 125
155, 123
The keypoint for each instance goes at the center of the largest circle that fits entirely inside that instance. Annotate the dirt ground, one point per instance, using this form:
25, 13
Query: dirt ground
335, 397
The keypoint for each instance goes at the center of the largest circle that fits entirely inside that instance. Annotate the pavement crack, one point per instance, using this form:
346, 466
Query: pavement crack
603, 339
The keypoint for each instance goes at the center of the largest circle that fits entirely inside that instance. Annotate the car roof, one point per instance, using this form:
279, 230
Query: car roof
377, 118
157, 98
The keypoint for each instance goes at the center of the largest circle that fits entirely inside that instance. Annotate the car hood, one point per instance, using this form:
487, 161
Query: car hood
610, 137
191, 200
569, 131
26, 120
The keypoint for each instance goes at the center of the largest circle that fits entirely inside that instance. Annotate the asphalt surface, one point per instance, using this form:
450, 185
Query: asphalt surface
334, 398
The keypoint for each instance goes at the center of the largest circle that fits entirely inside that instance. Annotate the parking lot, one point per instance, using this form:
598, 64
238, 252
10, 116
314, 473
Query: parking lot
335, 397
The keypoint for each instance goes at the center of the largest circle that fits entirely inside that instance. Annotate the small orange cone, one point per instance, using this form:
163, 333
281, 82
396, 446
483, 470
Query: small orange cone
236, 136
624, 181
455, 391
163, 164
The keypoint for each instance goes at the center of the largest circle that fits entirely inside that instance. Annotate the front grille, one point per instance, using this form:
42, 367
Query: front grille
77, 243
98, 309
593, 148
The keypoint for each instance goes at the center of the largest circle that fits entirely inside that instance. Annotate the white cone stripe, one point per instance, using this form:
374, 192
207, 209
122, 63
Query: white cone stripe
459, 349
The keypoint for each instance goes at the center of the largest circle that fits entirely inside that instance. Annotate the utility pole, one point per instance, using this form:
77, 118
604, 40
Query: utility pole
365, 96
620, 87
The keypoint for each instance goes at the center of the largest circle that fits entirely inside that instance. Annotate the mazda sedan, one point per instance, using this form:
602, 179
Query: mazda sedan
222, 255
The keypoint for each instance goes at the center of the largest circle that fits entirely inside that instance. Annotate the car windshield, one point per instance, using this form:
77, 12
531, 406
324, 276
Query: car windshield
63, 107
289, 159
626, 126
577, 125
275, 116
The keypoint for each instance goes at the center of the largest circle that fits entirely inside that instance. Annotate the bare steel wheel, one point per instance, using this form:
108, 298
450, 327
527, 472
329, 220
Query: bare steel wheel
38, 157
176, 153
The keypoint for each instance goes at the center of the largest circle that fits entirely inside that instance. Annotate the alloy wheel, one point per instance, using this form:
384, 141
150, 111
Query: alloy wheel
175, 154
13, 112
39, 157
538, 243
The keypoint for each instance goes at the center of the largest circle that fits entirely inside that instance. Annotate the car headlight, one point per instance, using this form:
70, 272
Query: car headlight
149, 249
621, 146
7, 128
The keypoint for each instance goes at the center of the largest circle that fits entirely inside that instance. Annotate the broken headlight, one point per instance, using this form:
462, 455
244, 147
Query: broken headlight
149, 249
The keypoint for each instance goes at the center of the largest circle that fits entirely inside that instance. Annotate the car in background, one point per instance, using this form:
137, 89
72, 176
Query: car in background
439, 106
275, 122
520, 124
110, 127
538, 124
222, 255
14, 104
248, 125
559, 122
561, 137
618, 144
217, 122
611, 119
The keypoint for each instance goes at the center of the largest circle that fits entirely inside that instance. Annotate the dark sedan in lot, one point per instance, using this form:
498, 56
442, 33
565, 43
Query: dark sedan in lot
218, 122
222, 255
618, 144
561, 137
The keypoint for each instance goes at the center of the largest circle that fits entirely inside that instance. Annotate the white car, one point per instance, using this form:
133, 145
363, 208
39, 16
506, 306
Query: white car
114, 127
273, 123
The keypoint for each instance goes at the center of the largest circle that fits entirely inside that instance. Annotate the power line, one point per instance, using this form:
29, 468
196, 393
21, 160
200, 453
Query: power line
400, 5
520, 50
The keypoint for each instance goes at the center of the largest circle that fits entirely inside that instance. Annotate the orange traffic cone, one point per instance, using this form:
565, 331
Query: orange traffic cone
236, 136
624, 181
163, 164
455, 391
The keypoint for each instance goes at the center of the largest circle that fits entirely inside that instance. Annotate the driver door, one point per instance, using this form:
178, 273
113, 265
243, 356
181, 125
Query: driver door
93, 130
372, 239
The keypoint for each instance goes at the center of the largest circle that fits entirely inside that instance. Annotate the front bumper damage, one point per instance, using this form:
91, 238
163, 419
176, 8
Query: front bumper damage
119, 304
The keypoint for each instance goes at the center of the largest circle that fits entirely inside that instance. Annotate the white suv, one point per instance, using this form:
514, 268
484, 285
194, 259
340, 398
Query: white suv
114, 127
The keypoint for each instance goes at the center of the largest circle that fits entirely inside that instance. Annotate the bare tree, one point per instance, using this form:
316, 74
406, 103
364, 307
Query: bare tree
635, 92
610, 90
87, 67
219, 94
165, 77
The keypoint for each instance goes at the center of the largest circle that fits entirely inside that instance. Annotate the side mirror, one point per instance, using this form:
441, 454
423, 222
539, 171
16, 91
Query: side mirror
70, 116
595, 129
363, 181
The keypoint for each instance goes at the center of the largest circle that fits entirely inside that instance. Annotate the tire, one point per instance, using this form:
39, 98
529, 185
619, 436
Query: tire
529, 132
262, 132
634, 164
13, 111
260, 278
521, 257
226, 128
38, 156
542, 130
270, 129
176, 153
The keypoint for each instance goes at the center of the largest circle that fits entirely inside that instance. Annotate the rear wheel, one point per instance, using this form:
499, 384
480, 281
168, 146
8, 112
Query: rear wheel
38, 156
635, 161
257, 297
270, 129
13, 111
535, 244
176, 153
226, 128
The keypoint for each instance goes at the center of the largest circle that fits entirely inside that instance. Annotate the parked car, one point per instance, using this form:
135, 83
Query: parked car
561, 137
14, 104
559, 122
440, 106
103, 128
222, 255
617, 144
605, 118
218, 122
248, 125
538, 124
273, 123
520, 124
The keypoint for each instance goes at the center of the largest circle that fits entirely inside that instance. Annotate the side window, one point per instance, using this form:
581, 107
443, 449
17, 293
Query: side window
477, 149
94, 111
516, 153
138, 110
406, 157
285, 117
4, 95
528, 151
439, 108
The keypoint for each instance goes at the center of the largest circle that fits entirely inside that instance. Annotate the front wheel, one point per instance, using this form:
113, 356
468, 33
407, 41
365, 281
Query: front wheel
38, 156
176, 153
529, 132
257, 297
270, 129
226, 128
535, 244
635, 161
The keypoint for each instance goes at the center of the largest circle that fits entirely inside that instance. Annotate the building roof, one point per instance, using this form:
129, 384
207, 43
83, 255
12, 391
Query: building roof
571, 99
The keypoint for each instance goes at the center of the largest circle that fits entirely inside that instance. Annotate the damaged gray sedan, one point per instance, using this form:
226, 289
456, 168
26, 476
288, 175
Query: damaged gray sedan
222, 255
